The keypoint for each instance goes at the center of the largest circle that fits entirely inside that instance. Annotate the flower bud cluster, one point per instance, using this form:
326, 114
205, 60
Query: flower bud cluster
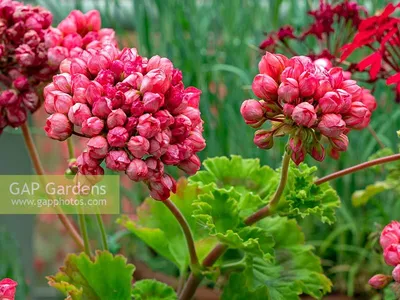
306, 101
135, 111
390, 242
23, 59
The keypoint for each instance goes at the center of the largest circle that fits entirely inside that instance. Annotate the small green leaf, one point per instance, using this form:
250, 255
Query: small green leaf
150, 289
106, 278
361, 197
158, 228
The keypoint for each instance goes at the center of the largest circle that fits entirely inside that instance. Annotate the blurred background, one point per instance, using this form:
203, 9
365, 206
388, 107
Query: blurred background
215, 44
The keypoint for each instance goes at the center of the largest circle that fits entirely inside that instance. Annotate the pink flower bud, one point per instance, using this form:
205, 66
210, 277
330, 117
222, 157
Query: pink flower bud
148, 126
330, 103
345, 99
8, 98
304, 114
390, 234
331, 125
340, 143
265, 87
253, 113
78, 66
92, 126
94, 92
16, 116
72, 41
21, 83
81, 81
86, 160
138, 146
307, 84
137, 170
272, 65
193, 114
264, 139
161, 189
56, 55
62, 102
351, 87
58, 127
98, 62
317, 151
97, 147
53, 38
191, 96
336, 77
379, 281
117, 137
116, 118
181, 128
78, 113
323, 88
195, 141
324, 63
67, 26
159, 144
155, 81
93, 20
134, 80
155, 167
289, 91
171, 156
30, 99
152, 102
131, 125
358, 117
165, 118
102, 108
105, 77
117, 160
296, 143
8, 289
288, 109
191, 165
298, 157
136, 109
392, 255
25, 55
396, 273
157, 62
368, 99
63, 82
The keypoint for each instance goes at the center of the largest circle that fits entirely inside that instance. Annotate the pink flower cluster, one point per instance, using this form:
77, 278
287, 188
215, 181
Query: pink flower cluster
390, 242
135, 111
23, 59
77, 32
307, 101
7, 289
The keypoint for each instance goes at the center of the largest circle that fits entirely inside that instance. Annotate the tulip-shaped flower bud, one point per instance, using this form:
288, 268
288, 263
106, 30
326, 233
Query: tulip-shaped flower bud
165, 118
93, 20
117, 137
289, 90
317, 151
8, 289
195, 141
8, 98
148, 126
62, 102
152, 102
155, 81
16, 116
340, 143
138, 146
351, 87
85, 160
78, 113
161, 189
253, 113
63, 82
137, 170
330, 103
346, 101
390, 234
368, 99
358, 117
336, 77
304, 114
298, 156
264, 139
193, 114
58, 127
102, 108
396, 273
92, 126
331, 125
181, 128
97, 147
191, 165
265, 87
116, 118
272, 65
117, 160
379, 281
392, 255
21, 83
307, 84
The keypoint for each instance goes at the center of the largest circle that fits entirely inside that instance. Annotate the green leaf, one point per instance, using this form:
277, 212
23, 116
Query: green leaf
157, 227
106, 278
361, 197
218, 212
303, 197
150, 289
295, 270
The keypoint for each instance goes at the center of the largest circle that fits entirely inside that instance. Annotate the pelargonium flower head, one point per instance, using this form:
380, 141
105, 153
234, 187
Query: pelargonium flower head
306, 100
390, 234
136, 113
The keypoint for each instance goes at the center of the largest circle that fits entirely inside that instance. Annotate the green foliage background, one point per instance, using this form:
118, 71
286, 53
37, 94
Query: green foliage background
214, 43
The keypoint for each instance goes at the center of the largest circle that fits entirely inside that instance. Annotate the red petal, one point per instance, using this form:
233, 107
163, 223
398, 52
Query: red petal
369, 60
393, 79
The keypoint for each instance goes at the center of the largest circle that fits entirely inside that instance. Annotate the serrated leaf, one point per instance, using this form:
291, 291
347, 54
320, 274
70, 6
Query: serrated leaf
150, 289
295, 271
303, 197
157, 227
361, 197
108, 277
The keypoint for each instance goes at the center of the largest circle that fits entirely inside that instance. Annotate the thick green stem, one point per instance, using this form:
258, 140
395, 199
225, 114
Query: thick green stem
194, 261
83, 227
102, 231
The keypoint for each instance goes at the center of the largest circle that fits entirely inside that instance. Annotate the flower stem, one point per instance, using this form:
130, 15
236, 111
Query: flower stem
194, 280
40, 171
71, 152
376, 137
102, 231
83, 227
194, 261
356, 168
